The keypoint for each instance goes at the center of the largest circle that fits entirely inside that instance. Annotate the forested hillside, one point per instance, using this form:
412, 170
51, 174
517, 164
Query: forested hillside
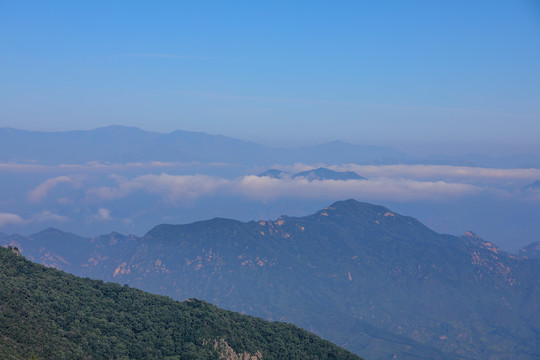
368, 279
48, 314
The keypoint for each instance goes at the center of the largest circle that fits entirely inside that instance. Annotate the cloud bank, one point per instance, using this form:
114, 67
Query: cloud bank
39, 193
44, 216
439, 172
265, 188
10, 219
175, 189
103, 214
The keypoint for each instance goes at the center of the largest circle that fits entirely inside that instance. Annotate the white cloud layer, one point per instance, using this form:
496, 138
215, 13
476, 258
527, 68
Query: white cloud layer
39, 193
96, 166
265, 188
44, 216
439, 172
178, 188
47, 215
10, 219
173, 188
103, 214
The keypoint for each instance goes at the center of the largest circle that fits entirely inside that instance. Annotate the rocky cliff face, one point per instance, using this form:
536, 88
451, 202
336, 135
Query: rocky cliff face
363, 276
226, 352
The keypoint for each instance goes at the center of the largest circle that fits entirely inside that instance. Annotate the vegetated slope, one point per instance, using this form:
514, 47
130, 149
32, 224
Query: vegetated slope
48, 314
376, 282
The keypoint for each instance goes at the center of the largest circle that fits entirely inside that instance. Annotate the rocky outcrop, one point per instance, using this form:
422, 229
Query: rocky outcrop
227, 353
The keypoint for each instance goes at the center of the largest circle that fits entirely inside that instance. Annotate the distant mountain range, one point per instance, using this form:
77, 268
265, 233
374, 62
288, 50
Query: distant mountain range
121, 144
48, 314
375, 282
314, 174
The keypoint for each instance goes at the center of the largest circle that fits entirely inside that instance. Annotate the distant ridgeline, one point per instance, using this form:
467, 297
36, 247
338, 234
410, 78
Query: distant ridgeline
48, 314
121, 144
375, 282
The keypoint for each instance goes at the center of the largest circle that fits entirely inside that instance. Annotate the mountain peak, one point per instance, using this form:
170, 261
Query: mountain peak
471, 235
328, 174
273, 173
198, 226
119, 128
362, 261
49, 231
355, 205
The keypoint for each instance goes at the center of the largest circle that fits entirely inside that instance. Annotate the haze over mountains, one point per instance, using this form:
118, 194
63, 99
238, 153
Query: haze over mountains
242, 128
121, 144
125, 179
361, 275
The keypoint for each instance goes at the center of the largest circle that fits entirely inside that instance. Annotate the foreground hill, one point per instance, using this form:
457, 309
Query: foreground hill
48, 314
378, 283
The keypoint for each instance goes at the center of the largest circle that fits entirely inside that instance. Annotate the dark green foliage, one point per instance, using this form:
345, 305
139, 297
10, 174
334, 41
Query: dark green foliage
49, 314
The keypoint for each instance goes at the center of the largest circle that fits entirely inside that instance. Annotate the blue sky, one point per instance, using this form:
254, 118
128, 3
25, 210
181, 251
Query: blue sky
417, 75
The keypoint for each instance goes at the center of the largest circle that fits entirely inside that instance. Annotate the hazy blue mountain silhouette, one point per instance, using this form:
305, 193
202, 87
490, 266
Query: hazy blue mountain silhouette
327, 174
273, 173
121, 144
320, 173
361, 275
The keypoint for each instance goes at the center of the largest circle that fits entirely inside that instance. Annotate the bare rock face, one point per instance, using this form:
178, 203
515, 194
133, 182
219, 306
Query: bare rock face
227, 353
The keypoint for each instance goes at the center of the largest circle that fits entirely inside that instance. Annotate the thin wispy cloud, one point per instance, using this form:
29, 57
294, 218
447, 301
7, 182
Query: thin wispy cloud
44, 216
96, 166
265, 188
24, 168
40, 192
170, 56
172, 188
176, 189
439, 171
362, 106
10, 219
103, 214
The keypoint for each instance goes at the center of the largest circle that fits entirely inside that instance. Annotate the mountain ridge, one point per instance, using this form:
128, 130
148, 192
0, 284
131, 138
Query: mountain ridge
120, 143
433, 295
